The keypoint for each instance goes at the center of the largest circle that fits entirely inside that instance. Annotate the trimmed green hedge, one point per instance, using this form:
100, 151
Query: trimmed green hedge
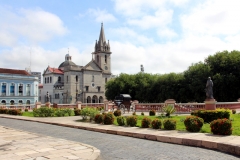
210, 115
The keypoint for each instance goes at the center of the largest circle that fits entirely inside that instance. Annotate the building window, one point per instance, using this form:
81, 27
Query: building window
47, 79
92, 78
76, 78
3, 102
12, 102
59, 79
105, 80
105, 58
12, 89
57, 96
97, 58
28, 102
99, 88
67, 79
4, 89
50, 79
39, 98
20, 102
86, 88
28, 89
20, 90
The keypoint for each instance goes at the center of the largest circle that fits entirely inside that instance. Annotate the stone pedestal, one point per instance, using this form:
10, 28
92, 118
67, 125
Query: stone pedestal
37, 105
105, 105
79, 104
210, 104
48, 104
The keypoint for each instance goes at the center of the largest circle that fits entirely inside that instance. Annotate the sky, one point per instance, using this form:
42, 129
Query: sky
162, 35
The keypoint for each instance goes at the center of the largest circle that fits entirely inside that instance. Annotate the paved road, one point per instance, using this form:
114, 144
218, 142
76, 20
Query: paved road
114, 147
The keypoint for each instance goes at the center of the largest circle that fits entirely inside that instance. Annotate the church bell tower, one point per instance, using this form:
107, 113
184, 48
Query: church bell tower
102, 52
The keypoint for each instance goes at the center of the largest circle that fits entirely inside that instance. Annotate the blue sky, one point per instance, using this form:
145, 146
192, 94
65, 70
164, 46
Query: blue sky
165, 36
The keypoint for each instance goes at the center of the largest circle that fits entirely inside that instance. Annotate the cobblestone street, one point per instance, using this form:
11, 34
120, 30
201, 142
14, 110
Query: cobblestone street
119, 147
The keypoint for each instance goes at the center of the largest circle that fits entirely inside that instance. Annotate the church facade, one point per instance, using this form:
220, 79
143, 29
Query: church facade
70, 82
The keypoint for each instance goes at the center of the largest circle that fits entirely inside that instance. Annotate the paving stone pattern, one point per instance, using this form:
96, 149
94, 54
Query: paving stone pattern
115, 147
21, 145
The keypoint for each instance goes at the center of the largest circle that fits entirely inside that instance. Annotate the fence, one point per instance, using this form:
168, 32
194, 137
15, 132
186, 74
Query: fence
23, 107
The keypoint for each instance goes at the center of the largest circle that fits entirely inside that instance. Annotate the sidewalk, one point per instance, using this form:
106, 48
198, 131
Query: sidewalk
20, 145
228, 144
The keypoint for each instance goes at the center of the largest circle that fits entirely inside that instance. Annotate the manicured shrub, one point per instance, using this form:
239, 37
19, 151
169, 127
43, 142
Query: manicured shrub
131, 121
152, 113
169, 124
3, 111
14, 111
193, 123
134, 113
156, 124
26, 110
99, 118
221, 127
121, 120
59, 112
68, 111
146, 122
234, 111
210, 115
117, 113
108, 118
77, 112
142, 114
43, 112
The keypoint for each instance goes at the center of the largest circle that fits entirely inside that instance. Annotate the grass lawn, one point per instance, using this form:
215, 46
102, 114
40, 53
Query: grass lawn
27, 114
181, 127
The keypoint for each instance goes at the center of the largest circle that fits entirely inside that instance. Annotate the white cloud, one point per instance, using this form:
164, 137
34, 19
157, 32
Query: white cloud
161, 18
129, 35
31, 25
167, 33
214, 17
101, 15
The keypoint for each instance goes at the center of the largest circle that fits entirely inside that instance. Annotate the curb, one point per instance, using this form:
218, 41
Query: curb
214, 145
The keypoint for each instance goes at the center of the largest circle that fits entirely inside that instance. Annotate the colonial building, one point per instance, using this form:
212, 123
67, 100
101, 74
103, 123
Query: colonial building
17, 87
70, 82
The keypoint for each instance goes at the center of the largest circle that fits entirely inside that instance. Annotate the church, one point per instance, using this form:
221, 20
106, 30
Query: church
70, 82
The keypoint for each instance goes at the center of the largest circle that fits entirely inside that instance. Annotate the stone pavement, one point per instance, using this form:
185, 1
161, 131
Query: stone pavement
21, 145
228, 144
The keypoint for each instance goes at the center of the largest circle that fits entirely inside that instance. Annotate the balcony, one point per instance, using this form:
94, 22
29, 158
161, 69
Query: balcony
12, 94
3, 94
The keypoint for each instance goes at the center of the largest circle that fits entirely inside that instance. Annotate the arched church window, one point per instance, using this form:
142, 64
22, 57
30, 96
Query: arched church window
59, 79
50, 79
45, 80
105, 58
97, 58
93, 78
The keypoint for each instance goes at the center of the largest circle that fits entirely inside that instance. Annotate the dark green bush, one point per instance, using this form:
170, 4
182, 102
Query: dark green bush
193, 123
59, 112
99, 118
142, 114
77, 112
152, 113
117, 113
121, 120
156, 124
108, 118
210, 115
221, 127
131, 121
10, 111
169, 124
134, 113
3, 111
146, 122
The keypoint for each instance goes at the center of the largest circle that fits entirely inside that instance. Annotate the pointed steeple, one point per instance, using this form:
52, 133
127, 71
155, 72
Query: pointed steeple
102, 39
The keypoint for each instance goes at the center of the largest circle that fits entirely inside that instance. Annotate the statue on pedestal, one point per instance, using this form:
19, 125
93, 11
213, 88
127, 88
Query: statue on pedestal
47, 97
209, 88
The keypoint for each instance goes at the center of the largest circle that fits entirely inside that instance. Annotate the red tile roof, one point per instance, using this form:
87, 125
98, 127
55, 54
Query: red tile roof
55, 70
14, 71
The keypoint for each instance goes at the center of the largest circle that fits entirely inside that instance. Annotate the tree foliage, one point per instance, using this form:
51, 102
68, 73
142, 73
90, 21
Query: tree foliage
189, 86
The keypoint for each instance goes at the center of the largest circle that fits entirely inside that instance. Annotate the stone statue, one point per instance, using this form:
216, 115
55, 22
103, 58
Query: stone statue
209, 88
